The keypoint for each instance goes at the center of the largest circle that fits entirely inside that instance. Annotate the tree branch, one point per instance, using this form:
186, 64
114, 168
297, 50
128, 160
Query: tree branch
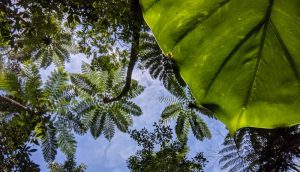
14, 103
136, 23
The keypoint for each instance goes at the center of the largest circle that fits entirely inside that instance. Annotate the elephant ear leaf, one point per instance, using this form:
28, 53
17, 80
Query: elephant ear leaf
241, 59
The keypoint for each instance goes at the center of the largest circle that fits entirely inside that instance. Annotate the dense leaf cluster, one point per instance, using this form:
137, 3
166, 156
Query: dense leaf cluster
161, 153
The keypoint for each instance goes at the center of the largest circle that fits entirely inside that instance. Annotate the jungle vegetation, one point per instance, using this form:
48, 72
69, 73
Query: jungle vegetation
48, 114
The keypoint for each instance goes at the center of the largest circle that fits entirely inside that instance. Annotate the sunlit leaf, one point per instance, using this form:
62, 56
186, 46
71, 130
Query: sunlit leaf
241, 59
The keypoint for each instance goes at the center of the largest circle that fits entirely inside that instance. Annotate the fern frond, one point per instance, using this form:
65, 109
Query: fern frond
182, 128
86, 68
108, 128
199, 127
64, 53
97, 123
130, 108
135, 90
83, 107
10, 84
237, 167
169, 100
118, 76
171, 111
49, 144
98, 79
231, 163
122, 120
88, 117
227, 149
66, 141
31, 83
83, 83
229, 156
56, 84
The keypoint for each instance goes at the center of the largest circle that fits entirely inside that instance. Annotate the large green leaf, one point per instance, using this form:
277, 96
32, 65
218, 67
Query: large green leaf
241, 58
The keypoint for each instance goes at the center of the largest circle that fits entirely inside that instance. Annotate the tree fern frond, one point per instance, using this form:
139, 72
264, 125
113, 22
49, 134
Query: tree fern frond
135, 90
10, 84
66, 141
171, 111
98, 79
231, 163
83, 83
49, 144
118, 76
86, 68
181, 128
237, 167
58, 58
108, 128
31, 83
97, 123
37, 56
229, 156
157, 72
65, 55
88, 117
228, 140
122, 120
130, 108
227, 149
199, 127
169, 100
56, 83
45, 60
83, 107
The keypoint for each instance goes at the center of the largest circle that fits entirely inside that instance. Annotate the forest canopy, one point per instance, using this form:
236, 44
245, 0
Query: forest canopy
217, 59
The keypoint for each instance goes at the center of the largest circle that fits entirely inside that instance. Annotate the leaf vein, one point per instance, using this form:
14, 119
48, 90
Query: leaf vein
213, 11
286, 51
259, 56
233, 52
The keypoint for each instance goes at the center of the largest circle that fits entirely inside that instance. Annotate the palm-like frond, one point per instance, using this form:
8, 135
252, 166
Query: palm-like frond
187, 117
236, 152
66, 140
49, 143
159, 66
42, 107
54, 48
108, 127
171, 111
93, 87
129, 107
182, 128
10, 84
199, 127
96, 124
31, 83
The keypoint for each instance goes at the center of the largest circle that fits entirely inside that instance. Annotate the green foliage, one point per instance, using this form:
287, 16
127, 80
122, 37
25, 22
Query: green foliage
94, 87
42, 110
261, 150
179, 107
68, 166
231, 54
159, 66
49, 143
54, 49
170, 156
15, 151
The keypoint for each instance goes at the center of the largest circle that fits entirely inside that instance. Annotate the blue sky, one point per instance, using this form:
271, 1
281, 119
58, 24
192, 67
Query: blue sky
102, 155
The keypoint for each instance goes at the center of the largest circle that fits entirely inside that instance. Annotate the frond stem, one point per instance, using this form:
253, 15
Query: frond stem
136, 24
